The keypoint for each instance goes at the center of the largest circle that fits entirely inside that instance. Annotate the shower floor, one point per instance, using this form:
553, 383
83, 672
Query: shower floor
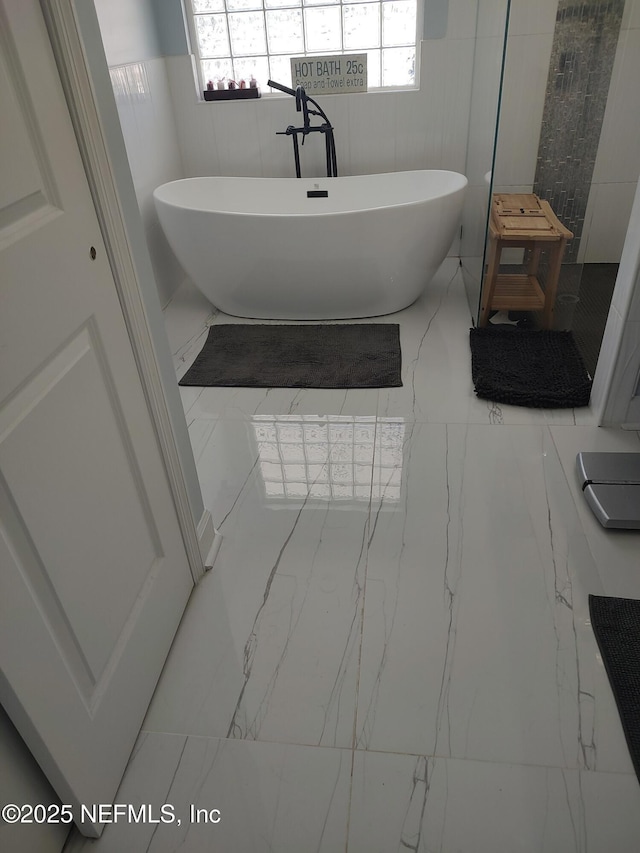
590, 317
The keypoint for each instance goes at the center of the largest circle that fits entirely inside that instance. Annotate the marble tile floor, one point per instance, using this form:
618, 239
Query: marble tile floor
393, 650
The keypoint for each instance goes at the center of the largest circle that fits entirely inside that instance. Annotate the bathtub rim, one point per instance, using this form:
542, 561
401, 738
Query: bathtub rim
457, 187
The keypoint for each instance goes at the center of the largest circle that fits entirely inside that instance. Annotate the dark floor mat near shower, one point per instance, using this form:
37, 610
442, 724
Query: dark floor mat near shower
616, 625
539, 369
356, 355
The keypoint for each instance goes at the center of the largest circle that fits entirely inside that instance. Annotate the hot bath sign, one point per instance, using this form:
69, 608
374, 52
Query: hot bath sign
330, 75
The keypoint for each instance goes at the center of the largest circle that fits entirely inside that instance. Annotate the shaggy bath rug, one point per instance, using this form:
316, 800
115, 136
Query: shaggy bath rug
522, 367
358, 355
616, 625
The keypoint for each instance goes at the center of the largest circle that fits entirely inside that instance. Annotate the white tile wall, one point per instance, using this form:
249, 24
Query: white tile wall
618, 157
617, 165
527, 18
484, 106
525, 80
531, 28
146, 117
462, 18
375, 132
491, 18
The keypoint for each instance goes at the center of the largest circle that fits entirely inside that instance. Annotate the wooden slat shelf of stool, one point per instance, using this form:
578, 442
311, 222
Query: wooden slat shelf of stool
517, 293
523, 221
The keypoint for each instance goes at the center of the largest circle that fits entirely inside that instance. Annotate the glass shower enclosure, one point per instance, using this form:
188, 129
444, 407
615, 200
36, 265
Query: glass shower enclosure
492, 20
555, 111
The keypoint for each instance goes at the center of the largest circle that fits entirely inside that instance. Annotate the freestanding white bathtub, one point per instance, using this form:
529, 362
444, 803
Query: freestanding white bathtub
260, 247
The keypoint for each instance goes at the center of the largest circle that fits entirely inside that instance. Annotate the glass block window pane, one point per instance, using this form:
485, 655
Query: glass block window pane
361, 25
237, 38
323, 28
280, 70
212, 35
284, 30
208, 5
374, 77
245, 66
399, 22
398, 66
217, 69
239, 5
247, 33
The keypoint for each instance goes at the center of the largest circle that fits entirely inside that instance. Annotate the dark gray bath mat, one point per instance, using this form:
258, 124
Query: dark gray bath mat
616, 624
524, 367
358, 355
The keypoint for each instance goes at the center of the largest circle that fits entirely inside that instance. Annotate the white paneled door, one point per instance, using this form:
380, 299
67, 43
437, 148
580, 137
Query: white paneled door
94, 574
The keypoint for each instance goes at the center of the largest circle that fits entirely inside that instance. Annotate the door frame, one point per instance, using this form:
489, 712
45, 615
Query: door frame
68, 49
615, 394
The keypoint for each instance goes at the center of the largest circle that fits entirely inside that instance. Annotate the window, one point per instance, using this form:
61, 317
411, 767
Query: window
235, 39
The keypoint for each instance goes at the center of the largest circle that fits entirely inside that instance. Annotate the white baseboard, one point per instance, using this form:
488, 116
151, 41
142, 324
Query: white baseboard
209, 539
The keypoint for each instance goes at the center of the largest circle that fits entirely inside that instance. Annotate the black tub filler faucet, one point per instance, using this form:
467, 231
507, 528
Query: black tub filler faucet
302, 105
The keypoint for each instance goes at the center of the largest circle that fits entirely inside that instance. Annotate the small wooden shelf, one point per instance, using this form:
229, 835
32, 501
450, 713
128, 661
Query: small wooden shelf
517, 293
522, 220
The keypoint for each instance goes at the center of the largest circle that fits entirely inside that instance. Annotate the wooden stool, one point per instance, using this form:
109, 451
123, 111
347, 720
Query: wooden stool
522, 221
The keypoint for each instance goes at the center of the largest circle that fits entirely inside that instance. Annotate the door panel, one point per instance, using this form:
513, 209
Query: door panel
95, 574
62, 434
28, 194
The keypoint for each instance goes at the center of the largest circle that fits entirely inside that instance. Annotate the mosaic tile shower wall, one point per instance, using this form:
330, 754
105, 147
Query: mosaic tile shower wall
584, 48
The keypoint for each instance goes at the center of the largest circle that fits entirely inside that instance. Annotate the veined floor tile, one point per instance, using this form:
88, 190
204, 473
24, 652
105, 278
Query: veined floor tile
227, 459
186, 317
244, 403
405, 571
269, 646
268, 463
200, 432
403, 802
476, 640
269, 797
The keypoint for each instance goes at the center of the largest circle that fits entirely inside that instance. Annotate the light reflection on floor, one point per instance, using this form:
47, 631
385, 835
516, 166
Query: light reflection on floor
331, 457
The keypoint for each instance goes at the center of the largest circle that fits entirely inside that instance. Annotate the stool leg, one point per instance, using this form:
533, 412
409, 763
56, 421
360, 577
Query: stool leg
490, 280
534, 261
551, 288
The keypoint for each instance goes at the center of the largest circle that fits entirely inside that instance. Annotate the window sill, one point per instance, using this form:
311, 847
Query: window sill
225, 95
231, 94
